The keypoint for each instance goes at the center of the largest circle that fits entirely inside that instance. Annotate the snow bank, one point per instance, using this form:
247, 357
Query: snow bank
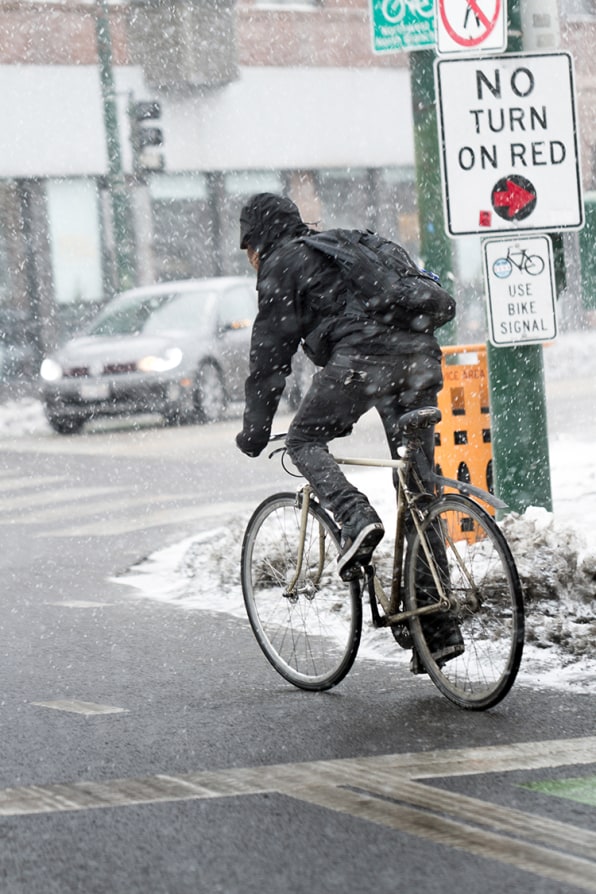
556, 562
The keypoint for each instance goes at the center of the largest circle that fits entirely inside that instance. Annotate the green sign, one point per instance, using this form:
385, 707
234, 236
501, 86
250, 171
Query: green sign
400, 25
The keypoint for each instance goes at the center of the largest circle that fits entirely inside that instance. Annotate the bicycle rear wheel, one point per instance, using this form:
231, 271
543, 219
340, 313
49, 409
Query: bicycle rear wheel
311, 635
478, 572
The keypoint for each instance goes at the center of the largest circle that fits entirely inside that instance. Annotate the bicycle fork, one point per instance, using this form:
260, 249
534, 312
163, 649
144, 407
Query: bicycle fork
303, 502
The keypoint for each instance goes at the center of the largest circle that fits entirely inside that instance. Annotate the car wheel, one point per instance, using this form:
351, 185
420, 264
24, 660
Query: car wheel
210, 393
66, 425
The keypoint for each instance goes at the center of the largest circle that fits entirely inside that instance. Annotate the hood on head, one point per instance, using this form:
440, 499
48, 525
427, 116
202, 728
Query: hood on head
266, 219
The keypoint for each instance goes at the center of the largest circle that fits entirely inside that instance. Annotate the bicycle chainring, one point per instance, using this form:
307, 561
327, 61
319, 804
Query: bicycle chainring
402, 635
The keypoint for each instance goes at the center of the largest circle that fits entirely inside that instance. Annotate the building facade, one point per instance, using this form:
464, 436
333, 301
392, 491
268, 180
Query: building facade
254, 96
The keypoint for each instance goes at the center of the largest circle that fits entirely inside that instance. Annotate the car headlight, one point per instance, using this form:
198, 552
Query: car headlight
170, 359
50, 370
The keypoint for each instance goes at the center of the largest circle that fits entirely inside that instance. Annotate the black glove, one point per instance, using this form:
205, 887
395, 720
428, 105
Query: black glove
252, 443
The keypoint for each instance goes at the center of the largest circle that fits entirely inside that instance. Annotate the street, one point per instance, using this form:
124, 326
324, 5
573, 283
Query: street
148, 748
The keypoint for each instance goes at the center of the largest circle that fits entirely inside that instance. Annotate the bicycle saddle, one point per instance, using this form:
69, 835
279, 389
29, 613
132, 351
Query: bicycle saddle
414, 420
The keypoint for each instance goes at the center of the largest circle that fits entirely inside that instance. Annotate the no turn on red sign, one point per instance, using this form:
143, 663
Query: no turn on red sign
471, 26
509, 143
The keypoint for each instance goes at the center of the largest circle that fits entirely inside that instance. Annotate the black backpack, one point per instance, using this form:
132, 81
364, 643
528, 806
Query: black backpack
385, 281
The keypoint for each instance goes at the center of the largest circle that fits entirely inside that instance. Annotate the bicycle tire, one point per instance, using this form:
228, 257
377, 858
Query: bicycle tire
311, 638
487, 602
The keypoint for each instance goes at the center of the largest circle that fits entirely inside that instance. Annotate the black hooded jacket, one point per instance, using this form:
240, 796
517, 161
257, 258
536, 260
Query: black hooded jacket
302, 299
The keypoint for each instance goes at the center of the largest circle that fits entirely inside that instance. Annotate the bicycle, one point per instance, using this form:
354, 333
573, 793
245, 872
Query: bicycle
453, 559
525, 263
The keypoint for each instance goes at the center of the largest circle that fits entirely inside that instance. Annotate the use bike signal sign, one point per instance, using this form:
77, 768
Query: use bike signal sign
509, 143
472, 26
520, 288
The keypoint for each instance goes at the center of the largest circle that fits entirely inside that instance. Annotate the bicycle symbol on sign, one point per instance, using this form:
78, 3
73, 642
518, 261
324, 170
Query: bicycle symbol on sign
394, 11
525, 263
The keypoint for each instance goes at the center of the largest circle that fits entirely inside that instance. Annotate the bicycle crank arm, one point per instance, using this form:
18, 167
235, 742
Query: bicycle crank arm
400, 617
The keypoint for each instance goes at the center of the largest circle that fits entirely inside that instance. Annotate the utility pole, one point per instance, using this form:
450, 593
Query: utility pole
435, 246
121, 216
517, 398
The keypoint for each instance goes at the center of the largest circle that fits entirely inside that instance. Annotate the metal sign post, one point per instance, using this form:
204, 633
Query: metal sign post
121, 216
518, 404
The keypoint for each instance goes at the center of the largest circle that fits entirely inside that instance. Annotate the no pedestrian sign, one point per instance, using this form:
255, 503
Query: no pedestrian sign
471, 26
520, 287
508, 130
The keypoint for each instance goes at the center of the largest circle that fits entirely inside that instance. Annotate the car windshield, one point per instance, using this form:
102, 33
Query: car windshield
150, 314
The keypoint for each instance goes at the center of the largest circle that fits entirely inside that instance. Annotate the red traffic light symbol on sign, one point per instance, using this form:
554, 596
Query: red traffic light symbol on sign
513, 197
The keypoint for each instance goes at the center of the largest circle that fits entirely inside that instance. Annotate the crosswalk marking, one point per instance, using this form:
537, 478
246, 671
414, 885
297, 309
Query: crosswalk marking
110, 527
101, 511
59, 495
384, 790
98, 507
10, 484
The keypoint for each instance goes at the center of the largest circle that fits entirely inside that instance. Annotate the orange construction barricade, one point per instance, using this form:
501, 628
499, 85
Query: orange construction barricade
463, 437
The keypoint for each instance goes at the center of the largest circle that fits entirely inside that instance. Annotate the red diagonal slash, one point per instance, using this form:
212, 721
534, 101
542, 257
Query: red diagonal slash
471, 6
478, 13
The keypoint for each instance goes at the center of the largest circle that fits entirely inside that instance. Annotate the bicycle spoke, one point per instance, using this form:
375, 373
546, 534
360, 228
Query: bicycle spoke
485, 616
307, 625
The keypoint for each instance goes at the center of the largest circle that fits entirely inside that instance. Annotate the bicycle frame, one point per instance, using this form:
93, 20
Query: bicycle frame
406, 500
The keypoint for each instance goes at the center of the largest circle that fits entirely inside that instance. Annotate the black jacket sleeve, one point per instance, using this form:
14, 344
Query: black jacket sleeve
275, 338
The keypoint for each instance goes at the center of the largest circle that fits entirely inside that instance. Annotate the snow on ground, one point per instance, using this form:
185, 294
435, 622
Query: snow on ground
556, 558
555, 552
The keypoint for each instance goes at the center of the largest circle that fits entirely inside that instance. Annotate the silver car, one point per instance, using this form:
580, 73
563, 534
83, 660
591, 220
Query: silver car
179, 349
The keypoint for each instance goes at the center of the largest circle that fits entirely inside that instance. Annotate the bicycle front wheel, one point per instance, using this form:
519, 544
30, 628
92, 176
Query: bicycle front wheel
474, 563
308, 625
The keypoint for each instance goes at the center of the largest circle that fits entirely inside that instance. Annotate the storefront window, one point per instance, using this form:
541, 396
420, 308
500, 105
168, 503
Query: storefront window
74, 232
184, 246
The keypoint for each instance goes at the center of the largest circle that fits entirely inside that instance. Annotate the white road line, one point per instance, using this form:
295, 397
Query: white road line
51, 497
98, 507
9, 484
69, 504
500, 819
76, 706
545, 862
153, 519
382, 790
79, 603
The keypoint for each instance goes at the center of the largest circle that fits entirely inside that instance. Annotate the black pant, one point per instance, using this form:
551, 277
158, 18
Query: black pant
340, 394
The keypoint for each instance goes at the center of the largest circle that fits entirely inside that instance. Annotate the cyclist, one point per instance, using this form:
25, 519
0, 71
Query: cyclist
365, 364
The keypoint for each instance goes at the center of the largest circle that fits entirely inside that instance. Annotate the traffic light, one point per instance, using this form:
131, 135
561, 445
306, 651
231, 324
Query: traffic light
145, 137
